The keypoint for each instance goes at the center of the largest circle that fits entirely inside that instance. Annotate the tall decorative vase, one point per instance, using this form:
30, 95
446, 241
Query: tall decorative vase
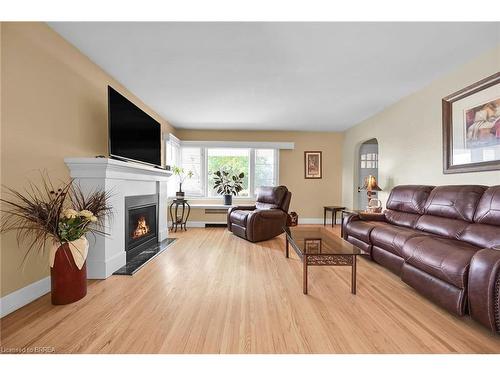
228, 199
68, 283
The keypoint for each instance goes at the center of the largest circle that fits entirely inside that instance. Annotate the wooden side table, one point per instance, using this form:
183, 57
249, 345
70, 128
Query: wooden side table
334, 210
183, 217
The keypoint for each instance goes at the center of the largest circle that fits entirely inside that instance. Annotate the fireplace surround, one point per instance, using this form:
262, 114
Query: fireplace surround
141, 223
120, 179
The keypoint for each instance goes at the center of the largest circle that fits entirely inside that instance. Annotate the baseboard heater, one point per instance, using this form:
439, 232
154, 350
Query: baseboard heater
215, 225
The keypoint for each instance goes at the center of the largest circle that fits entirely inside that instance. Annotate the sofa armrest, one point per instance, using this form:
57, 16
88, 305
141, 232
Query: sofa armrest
354, 216
370, 216
484, 288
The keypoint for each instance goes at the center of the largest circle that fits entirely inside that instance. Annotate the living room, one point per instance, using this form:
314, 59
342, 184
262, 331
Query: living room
171, 187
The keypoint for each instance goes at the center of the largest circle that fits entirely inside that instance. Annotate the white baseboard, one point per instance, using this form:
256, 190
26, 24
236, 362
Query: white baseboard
317, 220
15, 300
201, 224
307, 220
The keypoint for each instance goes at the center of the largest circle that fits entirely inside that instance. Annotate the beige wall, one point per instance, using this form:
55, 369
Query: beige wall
409, 136
54, 106
309, 196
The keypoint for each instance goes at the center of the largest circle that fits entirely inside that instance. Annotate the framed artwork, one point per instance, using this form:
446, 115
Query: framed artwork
312, 245
471, 127
313, 164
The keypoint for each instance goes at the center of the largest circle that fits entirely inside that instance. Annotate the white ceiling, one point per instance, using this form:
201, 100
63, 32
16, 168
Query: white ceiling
276, 76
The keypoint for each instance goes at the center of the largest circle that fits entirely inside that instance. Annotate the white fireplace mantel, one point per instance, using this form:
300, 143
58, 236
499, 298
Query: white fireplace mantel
120, 179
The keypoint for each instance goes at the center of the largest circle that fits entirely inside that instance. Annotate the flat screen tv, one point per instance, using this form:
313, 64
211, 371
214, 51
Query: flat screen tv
133, 134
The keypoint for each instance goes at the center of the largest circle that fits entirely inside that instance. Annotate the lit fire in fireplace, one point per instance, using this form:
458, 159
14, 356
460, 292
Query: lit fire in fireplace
142, 228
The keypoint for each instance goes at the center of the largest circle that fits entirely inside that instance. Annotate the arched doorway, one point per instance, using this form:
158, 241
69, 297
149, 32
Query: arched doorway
367, 165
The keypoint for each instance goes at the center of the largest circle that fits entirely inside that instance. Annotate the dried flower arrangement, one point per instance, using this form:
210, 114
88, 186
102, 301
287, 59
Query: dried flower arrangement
43, 213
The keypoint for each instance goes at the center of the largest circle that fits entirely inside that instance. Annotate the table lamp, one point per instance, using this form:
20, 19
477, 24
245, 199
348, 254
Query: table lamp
370, 186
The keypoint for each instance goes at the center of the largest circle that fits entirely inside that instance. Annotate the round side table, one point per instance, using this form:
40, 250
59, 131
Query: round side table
175, 218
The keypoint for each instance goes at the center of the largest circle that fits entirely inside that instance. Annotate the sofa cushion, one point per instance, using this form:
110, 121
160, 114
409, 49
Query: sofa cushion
454, 201
392, 238
488, 209
239, 217
361, 229
404, 219
409, 198
442, 226
482, 235
446, 259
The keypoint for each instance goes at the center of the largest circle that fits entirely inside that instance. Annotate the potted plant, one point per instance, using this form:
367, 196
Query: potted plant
228, 184
181, 175
57, 219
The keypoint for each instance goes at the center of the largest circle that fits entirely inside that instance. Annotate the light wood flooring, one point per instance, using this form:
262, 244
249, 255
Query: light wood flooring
212, 292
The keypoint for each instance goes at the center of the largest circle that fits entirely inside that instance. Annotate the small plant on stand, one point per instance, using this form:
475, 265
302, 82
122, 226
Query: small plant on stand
181, 174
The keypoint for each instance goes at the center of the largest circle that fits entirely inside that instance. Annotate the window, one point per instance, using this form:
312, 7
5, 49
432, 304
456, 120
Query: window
192, 160
260, 166
235, 160
265, 171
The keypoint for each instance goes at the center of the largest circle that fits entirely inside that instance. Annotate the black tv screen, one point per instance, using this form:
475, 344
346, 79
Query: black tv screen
133, 134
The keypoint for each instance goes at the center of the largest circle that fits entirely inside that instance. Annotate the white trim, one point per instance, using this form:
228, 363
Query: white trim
172, 139
239, 144
317, 220
307, 220
114, 169
209, 206
21, 297
199, 224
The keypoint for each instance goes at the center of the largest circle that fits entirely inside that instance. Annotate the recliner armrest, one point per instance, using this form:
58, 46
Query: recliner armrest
234, 208
265, 223
484, 288
244, 208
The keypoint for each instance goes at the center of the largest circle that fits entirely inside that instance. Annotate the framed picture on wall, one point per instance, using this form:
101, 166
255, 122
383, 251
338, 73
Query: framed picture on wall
313, 164
471, 127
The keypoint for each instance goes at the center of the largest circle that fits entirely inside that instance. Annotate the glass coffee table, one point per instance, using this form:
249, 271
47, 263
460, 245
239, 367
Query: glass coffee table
317, 246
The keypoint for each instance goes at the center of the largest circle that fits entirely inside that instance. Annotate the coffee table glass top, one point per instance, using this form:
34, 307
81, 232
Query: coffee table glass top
318, 240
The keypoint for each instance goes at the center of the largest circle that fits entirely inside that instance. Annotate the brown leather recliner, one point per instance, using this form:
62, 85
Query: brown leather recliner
266, 219
443, 241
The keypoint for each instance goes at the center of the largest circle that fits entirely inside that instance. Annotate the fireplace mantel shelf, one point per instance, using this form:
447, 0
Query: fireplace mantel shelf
114, 169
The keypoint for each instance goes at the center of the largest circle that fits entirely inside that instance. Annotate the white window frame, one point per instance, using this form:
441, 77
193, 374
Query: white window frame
251, 146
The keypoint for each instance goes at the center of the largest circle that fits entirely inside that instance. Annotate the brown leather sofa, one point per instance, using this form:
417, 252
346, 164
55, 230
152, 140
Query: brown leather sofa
441, 241
263, 221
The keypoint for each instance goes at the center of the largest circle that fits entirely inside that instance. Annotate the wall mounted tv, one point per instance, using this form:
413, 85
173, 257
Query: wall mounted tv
133, 134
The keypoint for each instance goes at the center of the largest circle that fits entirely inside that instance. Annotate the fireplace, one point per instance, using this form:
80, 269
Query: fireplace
141, 223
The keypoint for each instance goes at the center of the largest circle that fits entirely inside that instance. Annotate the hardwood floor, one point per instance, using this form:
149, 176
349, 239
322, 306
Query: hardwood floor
212, 292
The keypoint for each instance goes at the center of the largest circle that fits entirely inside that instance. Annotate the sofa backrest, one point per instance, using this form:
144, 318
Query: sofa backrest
469, 213
272, 197
450, 209
485, 231
488, 209
406, 203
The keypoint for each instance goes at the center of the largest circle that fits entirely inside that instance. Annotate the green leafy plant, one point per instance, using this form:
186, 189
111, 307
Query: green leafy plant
182, 174
227, 183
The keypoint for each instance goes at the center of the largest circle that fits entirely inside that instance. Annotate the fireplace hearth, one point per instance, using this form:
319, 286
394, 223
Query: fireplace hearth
141, 223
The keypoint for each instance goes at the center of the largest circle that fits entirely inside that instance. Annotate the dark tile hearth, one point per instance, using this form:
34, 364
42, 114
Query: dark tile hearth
136, 263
